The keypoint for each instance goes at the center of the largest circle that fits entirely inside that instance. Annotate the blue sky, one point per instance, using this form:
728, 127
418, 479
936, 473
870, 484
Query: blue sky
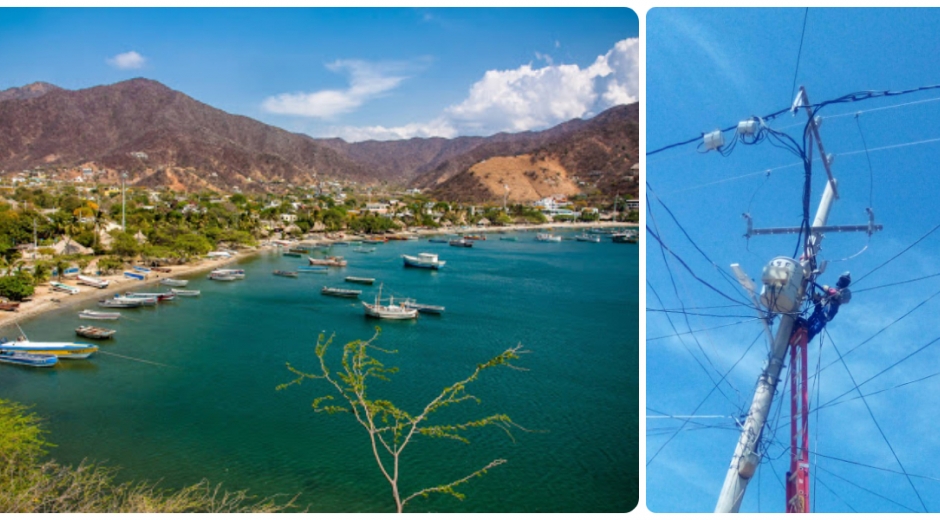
709, 69
353, 73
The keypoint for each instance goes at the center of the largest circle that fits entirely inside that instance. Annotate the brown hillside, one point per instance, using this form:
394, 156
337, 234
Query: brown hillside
528, 178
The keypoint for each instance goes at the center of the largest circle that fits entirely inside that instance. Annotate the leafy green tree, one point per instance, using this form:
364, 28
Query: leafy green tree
110, 264
390, 428
16, 287
41, 272
192, 244
125, 245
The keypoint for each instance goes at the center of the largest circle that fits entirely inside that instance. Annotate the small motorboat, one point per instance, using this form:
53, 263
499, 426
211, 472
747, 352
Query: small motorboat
93, 282
509, 239
160, 296
61, 287
423, 307
588, 238
624, 238
423, 260
364, 250
359, 280
28, 360
62, 350
173, 282
120, 303
238, 274
97, 315
330, 261
342, 293
312, 269
293, 254
185, 292
461, 243
547, 237
474, 237
222, 277
390, 311
287, 274
87, 331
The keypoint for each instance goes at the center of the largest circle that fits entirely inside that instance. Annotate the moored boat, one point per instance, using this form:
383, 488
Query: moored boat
509, 239
390, 311
172, 282
547, 237
61, 287
293, 254
360, 280
588, 238
307, 269
185, 292
287, 274
342, 293
87, 331
160, 296
140, 269
93, 282
474, 237
624, 238
364, 250
461, 243
97, 315
330, 261
422, 307
28, 360
438, 240
237, 273
135, 276
120, 303
423, 260
63, 350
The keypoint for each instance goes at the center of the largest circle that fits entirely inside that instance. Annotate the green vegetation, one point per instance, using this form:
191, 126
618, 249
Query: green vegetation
32, 484
390, 428
17, 286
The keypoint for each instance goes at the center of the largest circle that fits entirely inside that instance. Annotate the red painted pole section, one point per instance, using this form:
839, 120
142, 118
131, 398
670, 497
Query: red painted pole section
798, 476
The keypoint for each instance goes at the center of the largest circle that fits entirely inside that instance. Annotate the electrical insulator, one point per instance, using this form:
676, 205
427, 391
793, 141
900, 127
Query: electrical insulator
747, 127
714, 140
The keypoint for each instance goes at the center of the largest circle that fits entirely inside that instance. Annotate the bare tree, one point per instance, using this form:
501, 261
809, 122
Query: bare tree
390, 428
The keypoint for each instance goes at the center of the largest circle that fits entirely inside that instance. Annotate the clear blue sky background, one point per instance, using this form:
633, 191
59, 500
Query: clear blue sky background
708, 69
356, 73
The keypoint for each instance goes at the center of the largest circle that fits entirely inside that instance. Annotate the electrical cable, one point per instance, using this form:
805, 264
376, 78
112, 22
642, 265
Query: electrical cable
799, 53
701, 330
906, 249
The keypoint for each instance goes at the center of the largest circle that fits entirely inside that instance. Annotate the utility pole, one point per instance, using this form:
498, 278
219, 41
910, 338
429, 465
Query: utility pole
123, 218
746, 456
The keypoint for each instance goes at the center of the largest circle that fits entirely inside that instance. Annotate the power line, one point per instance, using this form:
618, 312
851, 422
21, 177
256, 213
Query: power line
799, 53
866, 489
701, 330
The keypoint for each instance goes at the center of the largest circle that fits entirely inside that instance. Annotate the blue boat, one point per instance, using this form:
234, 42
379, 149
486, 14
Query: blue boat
135, 276
27, 360
141, 269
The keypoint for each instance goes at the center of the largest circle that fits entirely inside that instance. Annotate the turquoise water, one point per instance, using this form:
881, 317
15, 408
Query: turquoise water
214, 412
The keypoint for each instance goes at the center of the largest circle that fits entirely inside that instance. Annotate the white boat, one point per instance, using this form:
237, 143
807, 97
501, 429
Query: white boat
547, 237
120, 303
97, 315
61, 287
223, 277
185, 292
63, 350
588, 238
423, 307
423, 260
144, 300
160, 296
173, 282
93, 282
219, 254
27, 360
238, 274
390, 311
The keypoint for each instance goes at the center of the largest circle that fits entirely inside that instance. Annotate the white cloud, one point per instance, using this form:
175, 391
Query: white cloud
366, 82
127, 60
529, 98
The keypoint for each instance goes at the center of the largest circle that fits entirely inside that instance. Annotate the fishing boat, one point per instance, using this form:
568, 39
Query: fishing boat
220, 277
97, 315
624, 238
423, 260
120, 303
461, 243
227, 275
330, 261
160, 296
63, 350
87, 331
342, 293
140, 269
363, 281
298, 250
293, 254
287, 274
390, 311
312, 269
61, 287
173, 282
9, 306
588, 238
474, 237
93, 282
509, 239
438, 240
28, 360
135, 276
547, 237
219, 254
185, 292
364, 250
144, 300
423, 307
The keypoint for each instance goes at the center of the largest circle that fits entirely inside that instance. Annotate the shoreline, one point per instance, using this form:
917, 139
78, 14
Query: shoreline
43, 298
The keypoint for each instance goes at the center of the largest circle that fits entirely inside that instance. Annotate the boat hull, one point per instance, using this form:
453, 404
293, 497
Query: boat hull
28, 360
60, 350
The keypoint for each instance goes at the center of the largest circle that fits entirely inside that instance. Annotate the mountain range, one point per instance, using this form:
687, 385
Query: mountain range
163, 137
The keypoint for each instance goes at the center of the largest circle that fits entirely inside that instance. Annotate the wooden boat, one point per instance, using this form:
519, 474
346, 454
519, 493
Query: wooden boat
97, 315
330, 261
140, 269
173, 282
423, 260
161, 269
185, 292
87, 331
135, 276
62, 350
363, 281
342, 293
120, 303
28, 360
298, 250
294, 255
474, 237
438, 240
461, 243
547, 237
588, 238
9, 306
93, 282
160, 296
61, 287
364, 250
287, 274
509, 239
423, 307
237, 273
390, 311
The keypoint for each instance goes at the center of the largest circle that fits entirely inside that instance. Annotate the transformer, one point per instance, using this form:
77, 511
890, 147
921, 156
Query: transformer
783, 285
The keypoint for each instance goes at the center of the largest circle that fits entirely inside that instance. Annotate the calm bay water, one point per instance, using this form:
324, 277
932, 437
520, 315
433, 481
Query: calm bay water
214, 412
